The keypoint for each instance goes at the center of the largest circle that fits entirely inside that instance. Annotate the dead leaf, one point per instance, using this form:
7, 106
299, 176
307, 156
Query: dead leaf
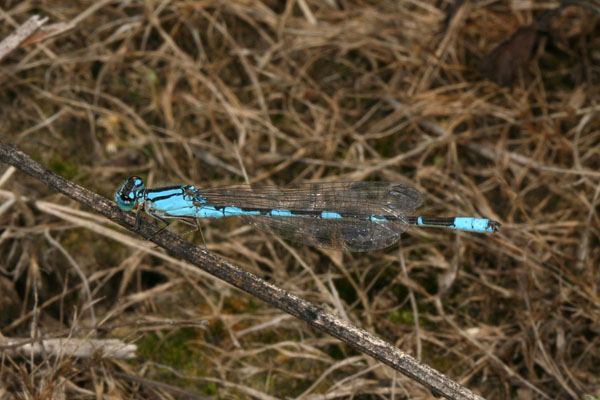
502, 63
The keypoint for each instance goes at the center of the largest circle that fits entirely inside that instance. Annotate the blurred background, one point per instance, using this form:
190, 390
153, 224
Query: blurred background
488, 108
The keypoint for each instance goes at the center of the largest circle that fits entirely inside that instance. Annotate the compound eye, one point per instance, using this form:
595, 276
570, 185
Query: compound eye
126, 196
136, 182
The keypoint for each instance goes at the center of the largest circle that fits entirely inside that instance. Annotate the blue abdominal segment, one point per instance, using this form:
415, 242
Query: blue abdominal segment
468, 224
473, 224
280, 213
330, 215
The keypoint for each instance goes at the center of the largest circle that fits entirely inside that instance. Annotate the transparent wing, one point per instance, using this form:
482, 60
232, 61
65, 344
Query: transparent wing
355, 202
366, 198
338, 234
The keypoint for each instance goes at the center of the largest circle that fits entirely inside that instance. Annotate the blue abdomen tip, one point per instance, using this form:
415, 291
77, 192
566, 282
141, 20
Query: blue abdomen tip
473, 224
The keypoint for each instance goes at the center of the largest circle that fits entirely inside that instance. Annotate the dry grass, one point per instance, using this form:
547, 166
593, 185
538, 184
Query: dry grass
212, 93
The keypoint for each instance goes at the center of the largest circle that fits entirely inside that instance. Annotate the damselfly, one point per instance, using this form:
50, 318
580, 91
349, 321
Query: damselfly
349, 216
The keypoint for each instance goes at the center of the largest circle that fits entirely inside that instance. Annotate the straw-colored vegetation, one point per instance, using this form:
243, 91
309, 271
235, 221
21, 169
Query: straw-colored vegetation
273, 92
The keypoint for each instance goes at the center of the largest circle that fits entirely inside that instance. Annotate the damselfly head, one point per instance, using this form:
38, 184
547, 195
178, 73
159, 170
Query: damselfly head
127, 195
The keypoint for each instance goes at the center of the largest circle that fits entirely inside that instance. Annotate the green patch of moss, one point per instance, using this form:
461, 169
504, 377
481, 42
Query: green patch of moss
402, 316
63, 167
176, 350
173, 350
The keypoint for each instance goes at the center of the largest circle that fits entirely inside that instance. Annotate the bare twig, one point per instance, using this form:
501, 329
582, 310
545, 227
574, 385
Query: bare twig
73, 347
19, 36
